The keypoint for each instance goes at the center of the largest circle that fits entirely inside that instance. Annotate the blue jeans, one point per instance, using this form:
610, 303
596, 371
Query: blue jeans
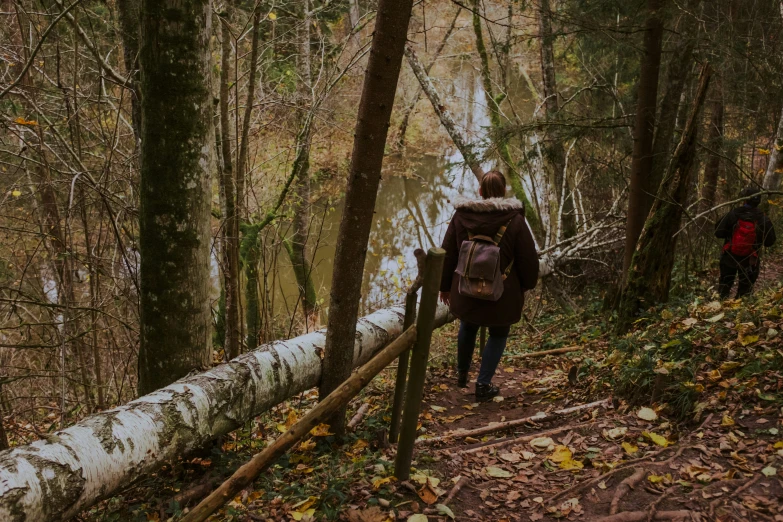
493, 351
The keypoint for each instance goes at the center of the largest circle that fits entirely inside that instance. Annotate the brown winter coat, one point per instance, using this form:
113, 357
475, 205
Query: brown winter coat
485, 217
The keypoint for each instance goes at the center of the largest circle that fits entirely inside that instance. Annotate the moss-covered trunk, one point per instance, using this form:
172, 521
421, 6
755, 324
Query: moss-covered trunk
650, 274
176, 162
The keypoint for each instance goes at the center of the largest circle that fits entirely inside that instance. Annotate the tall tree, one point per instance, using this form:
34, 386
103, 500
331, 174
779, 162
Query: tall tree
649, 277
554, 146
640, 194
715, 143
230, 191
176, 162
375, 107
129, 15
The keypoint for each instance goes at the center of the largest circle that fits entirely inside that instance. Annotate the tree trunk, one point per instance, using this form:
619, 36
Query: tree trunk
129, 16
54, 479
664, 132
715, 143
554, 150
250, 99
403, 128
175, 193
229, 187
380, 85
493, 105
297, 248
465, 148
775, 165
639, 196
649, 277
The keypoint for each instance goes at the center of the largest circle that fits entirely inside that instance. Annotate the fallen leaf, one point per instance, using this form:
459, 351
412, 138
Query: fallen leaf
510, 457
16, 193
629, 448
418, 517
445, 510
496, 472
727, 421
439, 409
380, 481
428, 494
616, 433
769, 471
561, 454
322, 430
647, 414
659, 440
542, 443
571, 464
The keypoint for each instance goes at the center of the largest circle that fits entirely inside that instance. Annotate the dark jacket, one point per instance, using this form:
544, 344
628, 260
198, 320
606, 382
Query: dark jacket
485, 217
765, 232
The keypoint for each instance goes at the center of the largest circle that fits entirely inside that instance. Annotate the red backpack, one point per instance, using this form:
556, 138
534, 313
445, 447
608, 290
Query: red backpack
743, 239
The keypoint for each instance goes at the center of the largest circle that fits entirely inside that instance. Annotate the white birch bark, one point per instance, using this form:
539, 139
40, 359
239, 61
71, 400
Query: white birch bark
55, 479
772, 176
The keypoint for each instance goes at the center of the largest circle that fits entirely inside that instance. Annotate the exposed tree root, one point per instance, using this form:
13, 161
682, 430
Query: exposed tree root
653, 509
624, 488
556, 351
748, 484
629, 464
641, 516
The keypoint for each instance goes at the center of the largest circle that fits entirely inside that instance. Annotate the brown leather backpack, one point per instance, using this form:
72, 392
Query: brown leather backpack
478, 266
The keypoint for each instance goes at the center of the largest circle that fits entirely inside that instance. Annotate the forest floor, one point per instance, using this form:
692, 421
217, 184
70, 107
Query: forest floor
679, 420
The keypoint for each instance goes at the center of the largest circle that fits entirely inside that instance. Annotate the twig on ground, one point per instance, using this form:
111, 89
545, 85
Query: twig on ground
556, 351
624, 488
641, 516
748, 484
357, 419
653, 509
454, 490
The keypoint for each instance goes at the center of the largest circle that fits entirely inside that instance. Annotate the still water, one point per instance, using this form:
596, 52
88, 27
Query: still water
414, 203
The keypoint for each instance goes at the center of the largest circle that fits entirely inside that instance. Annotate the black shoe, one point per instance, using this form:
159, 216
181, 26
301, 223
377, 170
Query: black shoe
462, 379
485, 392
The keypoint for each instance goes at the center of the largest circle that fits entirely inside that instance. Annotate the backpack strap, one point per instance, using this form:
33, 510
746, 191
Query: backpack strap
507, 271
500, 232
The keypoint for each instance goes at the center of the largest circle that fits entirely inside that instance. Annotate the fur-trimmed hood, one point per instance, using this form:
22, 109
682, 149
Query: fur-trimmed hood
487, 205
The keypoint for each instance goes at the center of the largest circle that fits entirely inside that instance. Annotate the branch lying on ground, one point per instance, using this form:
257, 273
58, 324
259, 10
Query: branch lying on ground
556, 351
526, 438
641, 516
500, 426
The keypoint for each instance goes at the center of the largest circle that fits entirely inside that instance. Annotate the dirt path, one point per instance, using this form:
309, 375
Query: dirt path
722, 470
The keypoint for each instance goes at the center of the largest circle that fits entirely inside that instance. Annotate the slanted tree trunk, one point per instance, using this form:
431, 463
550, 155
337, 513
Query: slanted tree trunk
715, 143
775, 165
229, 188
465, 148
650, 274
639, 195
176, 162
129, 16
403, 128
554, 150
380, 85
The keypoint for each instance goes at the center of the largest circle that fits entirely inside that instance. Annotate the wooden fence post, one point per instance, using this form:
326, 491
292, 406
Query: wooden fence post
402, 367
420, 356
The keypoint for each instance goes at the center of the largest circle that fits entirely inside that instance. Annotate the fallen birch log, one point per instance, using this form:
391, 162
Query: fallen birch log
500, 426
248, 472
54, 479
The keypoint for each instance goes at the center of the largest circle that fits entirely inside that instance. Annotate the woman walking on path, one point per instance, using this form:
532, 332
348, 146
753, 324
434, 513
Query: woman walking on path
480, 229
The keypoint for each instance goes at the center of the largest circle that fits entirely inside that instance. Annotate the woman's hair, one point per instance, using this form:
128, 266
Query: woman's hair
493, 185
